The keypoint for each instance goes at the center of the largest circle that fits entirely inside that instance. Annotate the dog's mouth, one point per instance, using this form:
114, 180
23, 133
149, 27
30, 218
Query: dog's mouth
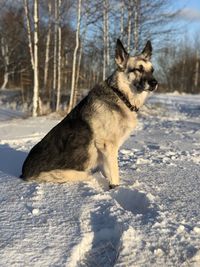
153, 88
151, 85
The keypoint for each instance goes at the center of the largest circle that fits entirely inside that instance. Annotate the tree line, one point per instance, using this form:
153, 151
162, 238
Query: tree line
55, 50
179, 66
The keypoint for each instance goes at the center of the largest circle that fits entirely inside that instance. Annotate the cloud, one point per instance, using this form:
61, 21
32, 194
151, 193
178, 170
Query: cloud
190, 14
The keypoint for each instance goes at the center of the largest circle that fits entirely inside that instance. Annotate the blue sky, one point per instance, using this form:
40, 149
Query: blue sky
190, 15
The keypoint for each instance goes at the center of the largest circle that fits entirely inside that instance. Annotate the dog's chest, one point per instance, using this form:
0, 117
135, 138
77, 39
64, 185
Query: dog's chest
113, 126
126, 127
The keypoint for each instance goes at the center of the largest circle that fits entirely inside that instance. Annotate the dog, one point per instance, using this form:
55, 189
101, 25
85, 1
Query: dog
92, 133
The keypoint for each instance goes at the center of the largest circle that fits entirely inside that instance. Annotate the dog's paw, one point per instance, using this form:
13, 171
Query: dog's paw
113, 186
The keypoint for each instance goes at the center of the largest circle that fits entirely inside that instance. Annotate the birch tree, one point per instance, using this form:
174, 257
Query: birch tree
196, 75
5, 55
59, 56
83, 35
33, 49
10, 45
129, 31
28, 26
47, 52
136, 24
106, 57
36, 70
122, 20
75, 56
55, 54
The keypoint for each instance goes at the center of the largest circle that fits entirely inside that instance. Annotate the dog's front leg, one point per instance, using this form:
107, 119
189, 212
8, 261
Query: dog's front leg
109, 154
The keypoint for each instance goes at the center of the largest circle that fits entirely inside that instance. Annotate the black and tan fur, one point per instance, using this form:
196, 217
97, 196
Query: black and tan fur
92, 133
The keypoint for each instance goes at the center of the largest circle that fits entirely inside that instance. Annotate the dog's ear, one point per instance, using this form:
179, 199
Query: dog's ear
121, 55
147, 51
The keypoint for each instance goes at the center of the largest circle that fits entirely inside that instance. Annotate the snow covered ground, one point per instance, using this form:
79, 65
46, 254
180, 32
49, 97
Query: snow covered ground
152, 219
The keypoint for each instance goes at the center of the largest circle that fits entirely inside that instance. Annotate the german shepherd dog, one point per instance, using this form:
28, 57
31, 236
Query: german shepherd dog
91, 134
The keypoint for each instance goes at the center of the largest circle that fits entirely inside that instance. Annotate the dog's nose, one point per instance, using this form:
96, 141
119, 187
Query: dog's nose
153, 83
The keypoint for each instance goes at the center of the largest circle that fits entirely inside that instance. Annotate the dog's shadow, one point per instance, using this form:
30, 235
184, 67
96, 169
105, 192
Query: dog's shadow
11, 160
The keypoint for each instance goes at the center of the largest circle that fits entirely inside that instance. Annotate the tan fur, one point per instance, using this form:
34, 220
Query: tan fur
135, 99
137, 61
62, 176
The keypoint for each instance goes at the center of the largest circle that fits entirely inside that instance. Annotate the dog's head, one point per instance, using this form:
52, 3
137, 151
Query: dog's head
136, 72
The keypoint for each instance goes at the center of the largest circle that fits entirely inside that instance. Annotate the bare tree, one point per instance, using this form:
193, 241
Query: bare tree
36, 69
5, 55
10, 45
83, 36
75, 56
106, 56
59, 56
129, 31
33, 52
136, 24
122, 19
48, 41
196, 76
55, 55
28, 25
179, 67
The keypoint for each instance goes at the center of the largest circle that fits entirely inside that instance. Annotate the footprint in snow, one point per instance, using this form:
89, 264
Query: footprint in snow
134, 201
35, 195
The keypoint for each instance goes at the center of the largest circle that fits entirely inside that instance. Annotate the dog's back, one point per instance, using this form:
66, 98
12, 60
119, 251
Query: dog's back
64, 147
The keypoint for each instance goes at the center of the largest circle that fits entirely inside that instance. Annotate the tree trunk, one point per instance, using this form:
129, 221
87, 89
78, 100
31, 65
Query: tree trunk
107, 37
5, 79
129, 26
136, 24
77, 75
59, 57
46, 65
196, 76
28, 25
182, 84
4, 52
33, 53
106, 57
122, 20
36, 71
79, 59
55, 54
74, 56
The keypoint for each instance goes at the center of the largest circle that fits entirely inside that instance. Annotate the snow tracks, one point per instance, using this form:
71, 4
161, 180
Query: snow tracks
130, 227
108, 236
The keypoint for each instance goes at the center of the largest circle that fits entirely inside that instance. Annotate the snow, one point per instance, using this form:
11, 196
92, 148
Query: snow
151, 219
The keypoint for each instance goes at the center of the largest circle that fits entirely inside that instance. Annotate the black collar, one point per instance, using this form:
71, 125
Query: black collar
123, 98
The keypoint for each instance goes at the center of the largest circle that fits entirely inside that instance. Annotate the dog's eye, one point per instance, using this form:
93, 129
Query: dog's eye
131, 70
141, 68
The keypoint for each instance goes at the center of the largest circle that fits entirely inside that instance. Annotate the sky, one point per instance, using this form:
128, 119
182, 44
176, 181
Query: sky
190, 16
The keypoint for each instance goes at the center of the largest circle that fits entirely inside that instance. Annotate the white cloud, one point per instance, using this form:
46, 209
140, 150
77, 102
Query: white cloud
190, 14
